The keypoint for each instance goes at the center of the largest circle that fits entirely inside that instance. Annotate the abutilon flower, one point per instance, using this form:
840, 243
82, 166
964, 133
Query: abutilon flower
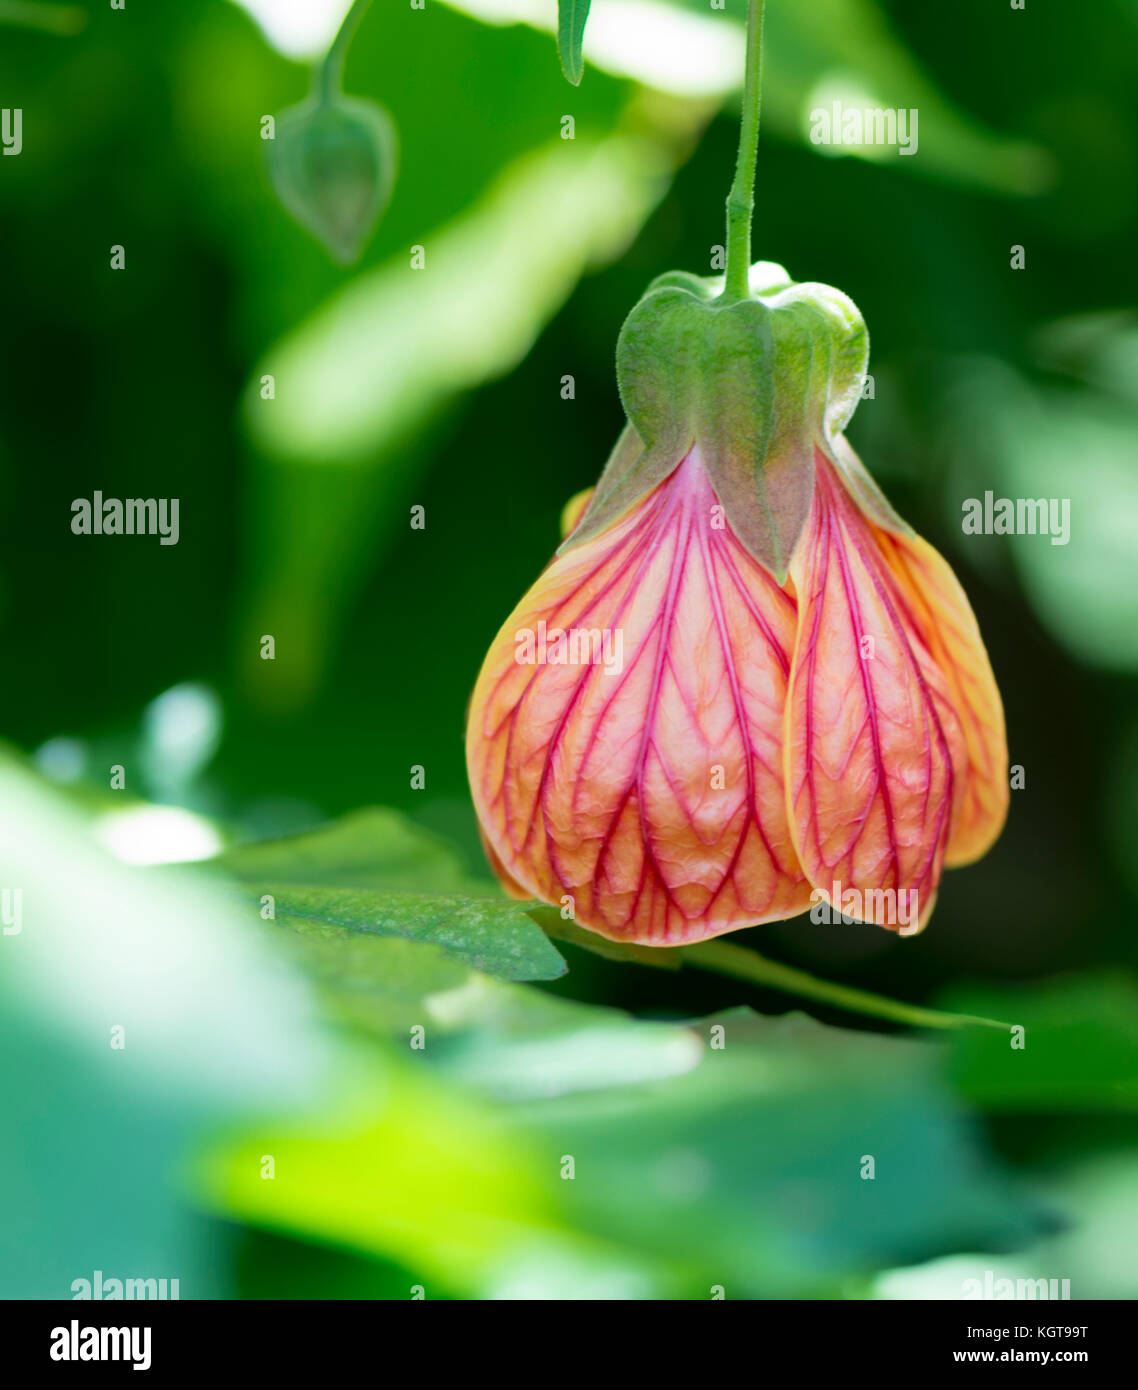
743, 685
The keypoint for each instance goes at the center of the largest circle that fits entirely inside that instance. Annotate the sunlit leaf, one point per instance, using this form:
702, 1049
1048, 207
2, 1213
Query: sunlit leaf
767, 1156
432, 1178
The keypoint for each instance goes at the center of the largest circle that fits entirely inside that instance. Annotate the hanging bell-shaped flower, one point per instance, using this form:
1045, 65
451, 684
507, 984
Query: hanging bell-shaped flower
743, 684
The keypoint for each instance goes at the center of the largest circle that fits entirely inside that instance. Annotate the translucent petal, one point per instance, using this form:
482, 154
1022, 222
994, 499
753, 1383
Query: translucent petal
875, 752
649, 789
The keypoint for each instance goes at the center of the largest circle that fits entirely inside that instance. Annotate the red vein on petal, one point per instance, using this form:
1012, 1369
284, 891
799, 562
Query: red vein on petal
643, 543
657, 914
836, 527
877, 568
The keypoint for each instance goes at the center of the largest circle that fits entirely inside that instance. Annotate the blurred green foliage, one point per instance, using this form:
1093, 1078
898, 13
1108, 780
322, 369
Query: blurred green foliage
696, 1166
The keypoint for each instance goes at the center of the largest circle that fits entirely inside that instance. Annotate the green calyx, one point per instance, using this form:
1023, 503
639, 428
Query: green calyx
755, 383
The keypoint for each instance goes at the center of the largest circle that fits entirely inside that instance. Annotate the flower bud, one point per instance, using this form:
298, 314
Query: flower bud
332, 164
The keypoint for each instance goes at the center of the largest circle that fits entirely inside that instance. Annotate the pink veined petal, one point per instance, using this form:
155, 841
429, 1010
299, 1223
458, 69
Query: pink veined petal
940, 611
652, 796
874, 748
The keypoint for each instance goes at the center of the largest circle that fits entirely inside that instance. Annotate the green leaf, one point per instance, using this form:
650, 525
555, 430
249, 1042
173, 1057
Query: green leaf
493, 935
371, 848
756, 1159
571, 17
349, 890
423, 1174
380, 984
517, 1043
730, 1151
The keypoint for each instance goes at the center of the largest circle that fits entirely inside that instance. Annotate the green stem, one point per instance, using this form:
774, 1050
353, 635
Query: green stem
743, 964
332, 69
741, 199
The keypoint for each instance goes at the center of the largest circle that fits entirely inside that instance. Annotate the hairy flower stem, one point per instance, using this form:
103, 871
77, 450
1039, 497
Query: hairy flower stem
741, 199
743, 964
331, 70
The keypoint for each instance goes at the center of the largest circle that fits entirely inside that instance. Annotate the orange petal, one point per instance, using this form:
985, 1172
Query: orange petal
651, 794
939, 610
874, 748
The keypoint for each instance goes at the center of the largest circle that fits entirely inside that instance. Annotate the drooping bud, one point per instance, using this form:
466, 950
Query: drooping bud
332, 164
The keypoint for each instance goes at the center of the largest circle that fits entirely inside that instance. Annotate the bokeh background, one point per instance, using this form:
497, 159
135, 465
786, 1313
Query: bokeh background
444, 1170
